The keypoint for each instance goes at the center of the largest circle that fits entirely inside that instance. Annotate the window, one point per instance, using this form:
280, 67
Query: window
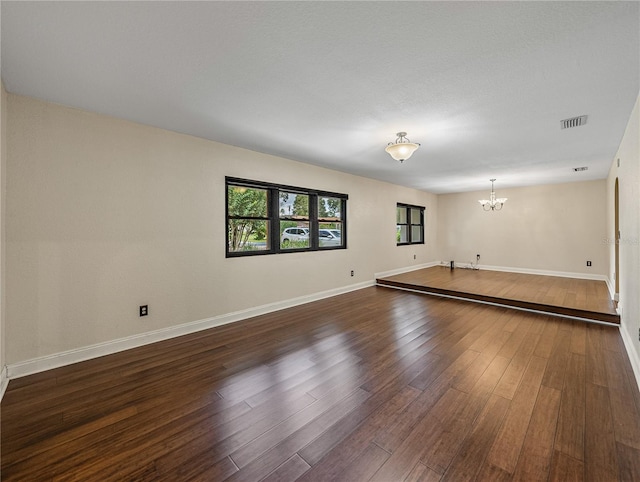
409, 224
264, 218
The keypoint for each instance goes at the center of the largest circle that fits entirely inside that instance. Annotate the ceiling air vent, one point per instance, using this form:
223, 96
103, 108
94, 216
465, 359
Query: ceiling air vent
573, 122
578, 169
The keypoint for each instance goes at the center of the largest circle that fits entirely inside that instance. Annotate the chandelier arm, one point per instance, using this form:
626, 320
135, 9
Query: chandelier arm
494, 203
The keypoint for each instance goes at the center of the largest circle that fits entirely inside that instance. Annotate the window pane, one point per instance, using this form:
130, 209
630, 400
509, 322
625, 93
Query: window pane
401, 215
402, 233
248, 235
247, 202
294, 235
415, 216
416, 234
294, 206
329, 221
330, 234
329, 209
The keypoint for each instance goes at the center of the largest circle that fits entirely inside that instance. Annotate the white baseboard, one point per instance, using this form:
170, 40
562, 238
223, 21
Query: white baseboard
612, 290
633, 354
56, 360
4, 381
543, 272
36, 365
507, 269
406, 269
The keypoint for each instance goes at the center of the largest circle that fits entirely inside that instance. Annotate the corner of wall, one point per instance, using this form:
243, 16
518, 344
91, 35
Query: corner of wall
3, 162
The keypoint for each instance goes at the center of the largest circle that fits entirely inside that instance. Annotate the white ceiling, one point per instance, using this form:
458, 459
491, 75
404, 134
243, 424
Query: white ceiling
481, 85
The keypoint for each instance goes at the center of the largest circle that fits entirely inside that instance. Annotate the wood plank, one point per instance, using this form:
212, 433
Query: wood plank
230, 436
475, 448
446, 426
292, 469
601, 461
625, 416
596, 371
629, 461
557, 365
202, 468
422, 473
337, 459
421, 435
390, 439
547, 339
566, 469
332, 451
506, 449
579, 338
366, 464
537, 450
515, 371
268, 451
491, 473
571, 418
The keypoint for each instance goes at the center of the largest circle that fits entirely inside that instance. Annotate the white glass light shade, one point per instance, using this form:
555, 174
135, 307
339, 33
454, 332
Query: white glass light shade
402, 148
401, 151
493, 203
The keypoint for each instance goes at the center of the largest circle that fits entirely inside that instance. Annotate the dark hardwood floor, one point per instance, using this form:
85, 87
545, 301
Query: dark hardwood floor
376, 384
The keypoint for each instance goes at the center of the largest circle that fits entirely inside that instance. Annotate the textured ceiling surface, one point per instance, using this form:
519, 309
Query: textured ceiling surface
482, 86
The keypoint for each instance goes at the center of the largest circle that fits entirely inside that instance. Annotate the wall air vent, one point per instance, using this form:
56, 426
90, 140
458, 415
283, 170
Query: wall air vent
578, 169
573, 122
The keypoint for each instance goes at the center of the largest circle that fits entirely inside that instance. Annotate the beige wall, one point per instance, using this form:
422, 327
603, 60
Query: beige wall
628, 175
3, 158
549, 228
104, 215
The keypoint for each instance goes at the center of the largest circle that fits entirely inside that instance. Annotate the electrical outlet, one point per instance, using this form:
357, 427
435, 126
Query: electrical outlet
144, 310
638, 334
353, 273
477, 257
588, 263
414, 256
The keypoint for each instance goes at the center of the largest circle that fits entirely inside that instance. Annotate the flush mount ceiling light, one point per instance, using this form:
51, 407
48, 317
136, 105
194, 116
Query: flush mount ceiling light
493, 203
402, 148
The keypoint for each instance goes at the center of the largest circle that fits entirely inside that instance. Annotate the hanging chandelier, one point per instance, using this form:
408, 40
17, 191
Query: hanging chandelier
403, 148
493, 203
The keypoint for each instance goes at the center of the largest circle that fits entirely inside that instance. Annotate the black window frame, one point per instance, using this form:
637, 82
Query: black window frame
409, 224
274, 219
